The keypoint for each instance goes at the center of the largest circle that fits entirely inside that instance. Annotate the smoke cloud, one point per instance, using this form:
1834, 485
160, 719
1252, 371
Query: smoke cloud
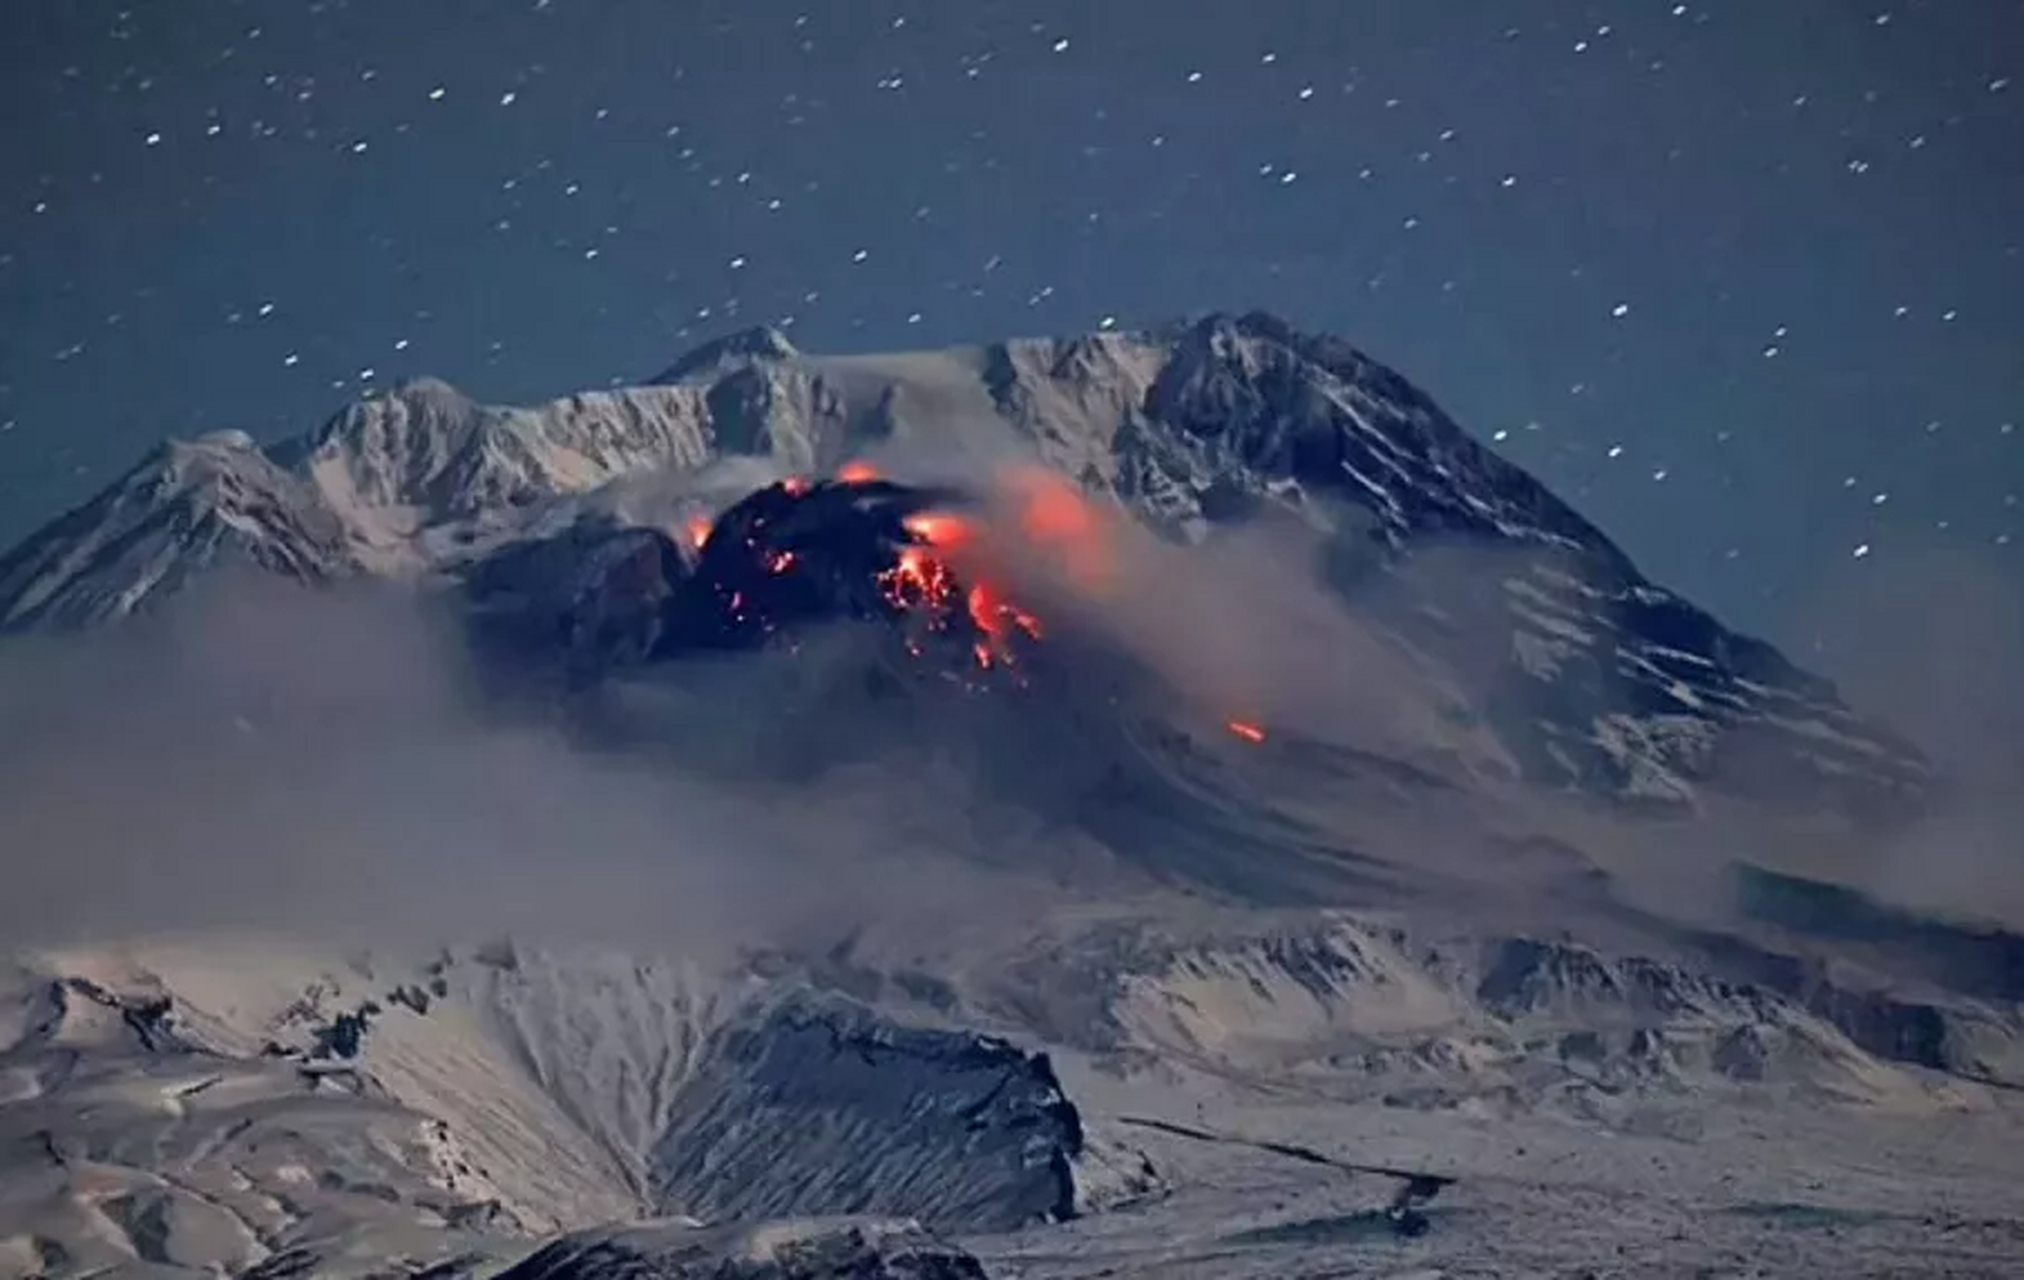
1931, 640
1240, 626
261, 756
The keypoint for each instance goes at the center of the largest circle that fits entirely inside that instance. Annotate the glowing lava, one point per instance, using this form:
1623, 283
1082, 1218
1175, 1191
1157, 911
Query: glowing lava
999, 621
939, 529
1055, 517
1246, 730
918, 581
923, 577
863, 548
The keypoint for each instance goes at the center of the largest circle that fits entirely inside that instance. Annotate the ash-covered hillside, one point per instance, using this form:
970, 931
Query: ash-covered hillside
576, 525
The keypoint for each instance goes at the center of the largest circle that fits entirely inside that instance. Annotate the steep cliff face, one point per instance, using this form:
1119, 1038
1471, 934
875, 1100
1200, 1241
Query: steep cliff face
814, 1106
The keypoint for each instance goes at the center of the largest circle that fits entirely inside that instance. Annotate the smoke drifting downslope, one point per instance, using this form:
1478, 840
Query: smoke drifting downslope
1931, 639
261, 755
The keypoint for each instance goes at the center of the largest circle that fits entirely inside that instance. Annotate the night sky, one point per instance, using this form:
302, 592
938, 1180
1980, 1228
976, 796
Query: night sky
1742, 279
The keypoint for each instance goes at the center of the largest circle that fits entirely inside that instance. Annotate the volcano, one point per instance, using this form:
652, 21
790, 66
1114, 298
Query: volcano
1180, 772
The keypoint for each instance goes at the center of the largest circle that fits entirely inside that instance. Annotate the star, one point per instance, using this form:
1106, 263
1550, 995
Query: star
1485, 201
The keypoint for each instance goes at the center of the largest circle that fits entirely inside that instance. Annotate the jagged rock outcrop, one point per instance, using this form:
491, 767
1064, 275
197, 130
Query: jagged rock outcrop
964, 1131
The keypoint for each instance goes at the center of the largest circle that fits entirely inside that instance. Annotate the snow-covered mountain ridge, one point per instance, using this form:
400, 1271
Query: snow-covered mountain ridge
174, 1107
1593, 677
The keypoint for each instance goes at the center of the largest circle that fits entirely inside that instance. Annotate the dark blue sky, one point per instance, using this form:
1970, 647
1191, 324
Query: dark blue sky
1743, 279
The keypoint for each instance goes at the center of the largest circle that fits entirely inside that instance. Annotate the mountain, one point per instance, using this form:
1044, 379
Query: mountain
246, 1105
1166, 804
1591, 677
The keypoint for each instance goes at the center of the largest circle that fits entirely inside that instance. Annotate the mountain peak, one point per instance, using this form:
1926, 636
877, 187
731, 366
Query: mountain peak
760, 344
208, 467
424, 389
1209, 326
1261, 325
188, 505
231, 438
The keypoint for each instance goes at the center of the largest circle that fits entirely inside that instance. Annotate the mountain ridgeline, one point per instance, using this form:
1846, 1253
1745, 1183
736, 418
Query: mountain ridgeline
1592, 678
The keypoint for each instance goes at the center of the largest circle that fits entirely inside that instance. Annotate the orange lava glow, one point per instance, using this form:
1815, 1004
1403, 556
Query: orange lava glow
857, 473
939, 529
1246, 730
795, 486
999, 620
1059, 520
698, 529
923, 580
918, 580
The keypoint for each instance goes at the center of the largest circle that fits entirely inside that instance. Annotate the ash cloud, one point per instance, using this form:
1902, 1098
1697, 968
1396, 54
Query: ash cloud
1241, 625
1931, 640
261, 756
1244, 626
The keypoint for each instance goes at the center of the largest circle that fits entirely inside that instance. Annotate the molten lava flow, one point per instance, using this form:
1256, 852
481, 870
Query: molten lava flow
857, 473
1246, 730
796, 551
998, 619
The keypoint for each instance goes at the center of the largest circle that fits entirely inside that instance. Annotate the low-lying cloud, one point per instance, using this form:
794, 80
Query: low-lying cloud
322, 762
1931, 640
